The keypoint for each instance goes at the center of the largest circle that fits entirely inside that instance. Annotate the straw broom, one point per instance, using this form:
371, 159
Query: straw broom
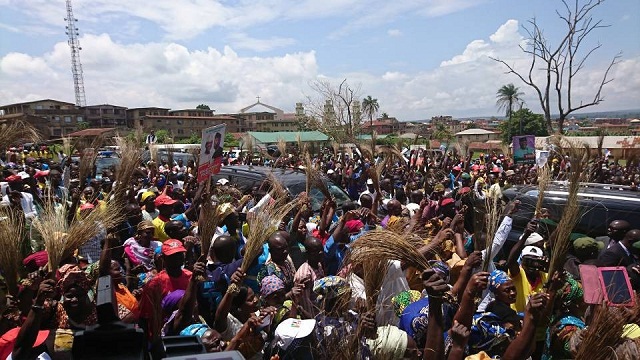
12, 235
17, 131
543, 183
382, 246
130, 159
62, 239
314, 178
265, 222
571, 213
207, 228
603, 334
492, 217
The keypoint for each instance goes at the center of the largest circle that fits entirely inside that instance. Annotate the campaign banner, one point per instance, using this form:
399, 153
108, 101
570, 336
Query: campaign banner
524, 149
211, 151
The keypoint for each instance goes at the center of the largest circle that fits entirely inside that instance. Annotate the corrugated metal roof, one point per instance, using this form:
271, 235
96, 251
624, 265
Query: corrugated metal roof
475, 132
91, 132
610, 142
288, 136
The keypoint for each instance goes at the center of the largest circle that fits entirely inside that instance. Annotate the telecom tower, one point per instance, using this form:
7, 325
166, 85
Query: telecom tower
76, 66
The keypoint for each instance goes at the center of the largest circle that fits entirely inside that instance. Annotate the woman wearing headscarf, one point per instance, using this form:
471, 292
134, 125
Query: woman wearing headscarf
566, 322
140, 249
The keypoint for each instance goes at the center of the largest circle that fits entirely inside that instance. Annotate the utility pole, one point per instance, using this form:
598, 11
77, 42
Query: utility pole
76, 65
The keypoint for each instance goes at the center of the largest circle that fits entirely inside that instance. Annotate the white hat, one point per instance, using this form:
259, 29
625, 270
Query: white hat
532, 251
223, 181
330, 171
292, 329
369, 182
533, 238
23, 175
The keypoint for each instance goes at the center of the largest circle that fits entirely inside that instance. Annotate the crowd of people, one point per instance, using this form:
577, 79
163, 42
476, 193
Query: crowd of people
304, 296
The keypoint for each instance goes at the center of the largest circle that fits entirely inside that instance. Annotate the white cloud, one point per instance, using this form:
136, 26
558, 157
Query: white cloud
172, 75
244, 41
159, 74
394, 32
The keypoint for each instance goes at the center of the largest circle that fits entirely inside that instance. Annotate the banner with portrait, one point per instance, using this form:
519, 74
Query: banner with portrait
524, 149
211, 151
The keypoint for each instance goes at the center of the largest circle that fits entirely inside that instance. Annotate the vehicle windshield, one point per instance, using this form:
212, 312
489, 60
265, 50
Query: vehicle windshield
316, 195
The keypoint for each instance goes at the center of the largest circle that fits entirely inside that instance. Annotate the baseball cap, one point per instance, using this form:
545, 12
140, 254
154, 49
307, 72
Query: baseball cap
457, 168
438, 188
369, 182
172, 246
222, 181
291, 329
533, 238
354, 226
447, 201
532, 251
465, 176
146, 195
587, 244
164, 200
330, 171
510, 173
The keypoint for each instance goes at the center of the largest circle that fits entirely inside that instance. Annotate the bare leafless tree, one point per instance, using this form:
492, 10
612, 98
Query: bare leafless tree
561, 64
331, 109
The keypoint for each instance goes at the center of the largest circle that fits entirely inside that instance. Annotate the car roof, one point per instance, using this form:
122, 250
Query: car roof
287, 176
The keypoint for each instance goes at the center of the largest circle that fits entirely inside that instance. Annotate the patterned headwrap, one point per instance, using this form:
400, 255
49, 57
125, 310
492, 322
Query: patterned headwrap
404, 299
571, 291
71, 275
223, 210
442, 269
330, 286
269, 285
497, 278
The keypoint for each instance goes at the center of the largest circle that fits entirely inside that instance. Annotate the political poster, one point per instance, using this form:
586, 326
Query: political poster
524, 149
211, 151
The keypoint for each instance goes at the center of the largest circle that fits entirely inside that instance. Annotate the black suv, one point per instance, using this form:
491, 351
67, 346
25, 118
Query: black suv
599, 205
246, 177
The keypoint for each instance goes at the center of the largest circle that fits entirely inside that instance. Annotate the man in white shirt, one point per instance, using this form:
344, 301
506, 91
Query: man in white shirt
26, 200
151, 138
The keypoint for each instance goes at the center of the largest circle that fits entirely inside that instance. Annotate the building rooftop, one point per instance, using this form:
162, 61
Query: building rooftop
149, 107
91, 132
474, 132
37, 101
288, 136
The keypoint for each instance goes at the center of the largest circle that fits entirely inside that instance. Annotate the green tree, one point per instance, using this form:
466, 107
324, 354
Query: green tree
384, 116
203, 107
442, 133
507, 97
471, 125
162, 136
370, 107
83, 125
534, 124
230, 140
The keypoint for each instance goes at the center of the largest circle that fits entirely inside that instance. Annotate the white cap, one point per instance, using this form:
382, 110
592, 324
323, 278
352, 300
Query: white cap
533, 238
23, 175
292, 329
369, 182
223, 181
532, 251
330, 171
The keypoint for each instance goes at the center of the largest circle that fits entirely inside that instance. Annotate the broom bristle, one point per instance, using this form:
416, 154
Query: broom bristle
12, 238
382, 246
492, 217
571, 212
314, 178
543, 183
130, 159
18, 132
603, 335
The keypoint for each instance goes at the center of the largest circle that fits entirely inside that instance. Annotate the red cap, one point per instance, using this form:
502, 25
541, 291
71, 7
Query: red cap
41, 173
464, 190
13, 178
39, 259
164, 200
354, 226
172, 246
446, 201
9, 338
457, 168
87, 206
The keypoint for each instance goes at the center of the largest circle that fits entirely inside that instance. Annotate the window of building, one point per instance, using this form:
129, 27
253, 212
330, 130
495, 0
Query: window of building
179, 122
180, 131
93, 111
67, 119
56, 118
57, 132
159, 121
38, 107
69, 130
142, 113
79, 119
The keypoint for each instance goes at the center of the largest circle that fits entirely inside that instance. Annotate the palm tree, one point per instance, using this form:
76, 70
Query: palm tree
370, 107
508, 96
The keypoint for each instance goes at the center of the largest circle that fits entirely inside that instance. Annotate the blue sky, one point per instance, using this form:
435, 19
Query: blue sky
419, 58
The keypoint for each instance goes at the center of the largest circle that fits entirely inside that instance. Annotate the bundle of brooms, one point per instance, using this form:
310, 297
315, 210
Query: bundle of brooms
493, 211
62, 239
578, 155
544, 176
12, 239
603, 335
17, 131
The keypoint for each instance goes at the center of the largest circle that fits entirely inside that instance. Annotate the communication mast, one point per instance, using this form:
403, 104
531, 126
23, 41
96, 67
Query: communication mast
76, 66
